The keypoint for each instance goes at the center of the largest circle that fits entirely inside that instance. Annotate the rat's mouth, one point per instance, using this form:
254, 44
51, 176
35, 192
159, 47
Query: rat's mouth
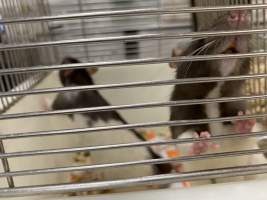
231, 49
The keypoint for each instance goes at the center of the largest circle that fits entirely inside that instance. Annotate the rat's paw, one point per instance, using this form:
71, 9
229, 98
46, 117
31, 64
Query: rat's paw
244, 126
203, 146
45, 104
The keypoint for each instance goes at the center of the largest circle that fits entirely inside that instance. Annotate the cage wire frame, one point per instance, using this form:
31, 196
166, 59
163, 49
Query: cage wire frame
23, 33
42, 20
119, 26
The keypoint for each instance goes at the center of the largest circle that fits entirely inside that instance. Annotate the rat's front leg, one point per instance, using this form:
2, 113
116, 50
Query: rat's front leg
46, 104
233, 109
244, 126
236, 108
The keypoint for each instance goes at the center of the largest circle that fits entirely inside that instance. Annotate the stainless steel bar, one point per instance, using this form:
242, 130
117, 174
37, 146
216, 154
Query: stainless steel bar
150, 180
83, 29
133, 37
256, 64
143, 144
265, 46
90, 3
20, 60
133, 85
127, 127
133, 12
4, 79
6, 167
110, 29
12, 56
128, 107
132, 62
127, 164
6, 57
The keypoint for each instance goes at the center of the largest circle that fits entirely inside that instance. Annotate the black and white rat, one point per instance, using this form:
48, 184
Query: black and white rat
213, 68
218, 68
92, 98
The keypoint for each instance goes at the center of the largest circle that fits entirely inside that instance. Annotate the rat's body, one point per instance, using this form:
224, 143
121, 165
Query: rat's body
213, 68
90, 99
205, 90
216, 68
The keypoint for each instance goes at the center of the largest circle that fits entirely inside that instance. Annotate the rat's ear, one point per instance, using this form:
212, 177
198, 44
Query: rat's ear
92, 70
175, 53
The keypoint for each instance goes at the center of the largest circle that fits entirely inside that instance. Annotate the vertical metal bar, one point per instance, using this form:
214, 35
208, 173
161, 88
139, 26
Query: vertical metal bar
2, 82
15, 77
253, 62
5, 79
258, 68
159, 29
52, 37
262, 67
7, 57
45, 52
49, 51
15, 56
34, 54
6, 167
4, 101
20, 54
27, 55
265, 57
83, 29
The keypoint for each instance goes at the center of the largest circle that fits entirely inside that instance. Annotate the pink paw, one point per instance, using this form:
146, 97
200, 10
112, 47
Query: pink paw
203, 146
244, 126
45, 104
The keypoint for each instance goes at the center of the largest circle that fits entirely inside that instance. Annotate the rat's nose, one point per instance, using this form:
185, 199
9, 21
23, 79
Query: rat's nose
237, 16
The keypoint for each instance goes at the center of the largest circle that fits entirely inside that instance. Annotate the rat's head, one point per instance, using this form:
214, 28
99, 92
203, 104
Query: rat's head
72, 78
76, 77
231, 21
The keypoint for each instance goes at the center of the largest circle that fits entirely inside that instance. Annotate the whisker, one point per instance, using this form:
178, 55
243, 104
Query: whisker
196, 39
196, 52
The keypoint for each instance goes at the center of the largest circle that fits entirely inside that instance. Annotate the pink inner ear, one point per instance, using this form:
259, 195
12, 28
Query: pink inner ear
92, 71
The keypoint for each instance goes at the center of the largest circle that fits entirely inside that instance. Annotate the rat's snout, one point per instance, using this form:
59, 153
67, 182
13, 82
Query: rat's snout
238, 17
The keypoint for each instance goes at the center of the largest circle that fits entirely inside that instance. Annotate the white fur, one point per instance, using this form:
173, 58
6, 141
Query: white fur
227, 67
213, 111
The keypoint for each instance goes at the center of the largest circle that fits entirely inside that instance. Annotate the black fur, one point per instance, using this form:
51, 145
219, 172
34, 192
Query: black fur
201, 90
92, 98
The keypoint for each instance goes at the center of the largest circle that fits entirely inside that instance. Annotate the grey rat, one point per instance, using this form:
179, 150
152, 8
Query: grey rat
213, 68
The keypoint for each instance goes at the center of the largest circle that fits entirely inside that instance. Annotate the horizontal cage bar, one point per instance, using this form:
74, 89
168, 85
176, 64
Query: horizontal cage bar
130, 106
128, 126
133, 62
129, 38
151, 180
137, 12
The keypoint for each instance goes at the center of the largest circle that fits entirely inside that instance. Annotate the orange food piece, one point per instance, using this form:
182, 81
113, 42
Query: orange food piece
173, 153
150, 135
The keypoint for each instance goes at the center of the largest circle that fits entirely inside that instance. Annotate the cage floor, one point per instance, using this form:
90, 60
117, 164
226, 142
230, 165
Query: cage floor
255, 190
116, 97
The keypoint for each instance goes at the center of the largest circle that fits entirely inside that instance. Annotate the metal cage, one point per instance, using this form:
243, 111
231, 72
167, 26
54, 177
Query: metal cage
111, 35
34, 32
